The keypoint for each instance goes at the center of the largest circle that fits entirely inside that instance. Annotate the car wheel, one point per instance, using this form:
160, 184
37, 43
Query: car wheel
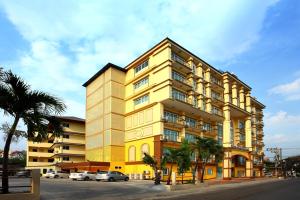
98, 180
126, 179
111, 179
86, 178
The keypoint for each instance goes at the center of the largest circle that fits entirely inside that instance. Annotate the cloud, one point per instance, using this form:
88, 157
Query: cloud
282, 129
290, 91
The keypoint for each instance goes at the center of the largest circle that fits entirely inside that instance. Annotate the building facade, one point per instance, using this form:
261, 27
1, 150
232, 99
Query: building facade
164, 96
56, 151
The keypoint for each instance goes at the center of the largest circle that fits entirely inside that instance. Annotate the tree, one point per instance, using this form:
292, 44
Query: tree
184, 158
34, 108
155, 165
206, 148
171, 156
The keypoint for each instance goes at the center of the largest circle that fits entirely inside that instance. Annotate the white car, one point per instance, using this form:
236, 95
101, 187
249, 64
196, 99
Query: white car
56, 174
83, 176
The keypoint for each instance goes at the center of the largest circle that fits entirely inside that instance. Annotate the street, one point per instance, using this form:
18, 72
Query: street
286, 189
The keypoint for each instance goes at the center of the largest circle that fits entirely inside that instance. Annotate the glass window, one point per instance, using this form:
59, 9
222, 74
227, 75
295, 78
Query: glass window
190, 122
65, 158
171, 135
66, 125
209, 171
66, 147
177, 76
141, 82
220, 133
177, 58
144, 149
66, 136
190, 137
141, 66
178, 95
141, 100
206, 127
171, 117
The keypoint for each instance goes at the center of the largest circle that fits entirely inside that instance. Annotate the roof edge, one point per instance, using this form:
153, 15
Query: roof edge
101, 71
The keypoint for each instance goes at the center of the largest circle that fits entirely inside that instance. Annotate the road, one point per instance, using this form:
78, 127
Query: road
281, 190
59, 189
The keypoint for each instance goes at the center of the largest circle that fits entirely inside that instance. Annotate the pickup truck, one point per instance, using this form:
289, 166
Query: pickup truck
83, 176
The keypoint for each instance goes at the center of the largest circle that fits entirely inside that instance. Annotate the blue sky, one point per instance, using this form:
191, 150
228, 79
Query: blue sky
56, 47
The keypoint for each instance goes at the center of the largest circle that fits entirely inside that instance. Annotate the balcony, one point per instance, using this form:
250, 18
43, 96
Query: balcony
218, 112
216, 83
182, 83
38, 164
40, 154
39, 144
260, 123
259, 113
218, 100
180, 64
174, 122
170, 138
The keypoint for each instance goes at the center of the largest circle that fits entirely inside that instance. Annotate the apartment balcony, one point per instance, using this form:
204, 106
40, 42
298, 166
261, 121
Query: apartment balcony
260, 123
38, 164
168, 138
196, 128
40, 154
217, 100
217, 112
68, 141
259, 113
216, 84
182, 84
180, 64
209, 133
177, 122
39, 144
65, 152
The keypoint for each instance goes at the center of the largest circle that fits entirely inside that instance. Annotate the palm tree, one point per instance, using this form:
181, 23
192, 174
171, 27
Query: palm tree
34, 108
184, 158
205, 148
155, 165
171, 156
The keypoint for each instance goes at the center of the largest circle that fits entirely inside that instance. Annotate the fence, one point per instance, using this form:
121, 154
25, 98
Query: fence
23, 185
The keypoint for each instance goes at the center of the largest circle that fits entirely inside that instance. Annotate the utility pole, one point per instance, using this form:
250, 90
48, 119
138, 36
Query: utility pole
277, 158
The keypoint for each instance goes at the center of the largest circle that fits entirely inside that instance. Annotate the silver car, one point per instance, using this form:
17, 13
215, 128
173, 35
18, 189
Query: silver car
111, 176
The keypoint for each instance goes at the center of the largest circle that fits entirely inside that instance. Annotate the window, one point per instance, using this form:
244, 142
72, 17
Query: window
141, 66
216, 95
190, 122
178, 95
190, 137
216, 111
165, 171
66, 158
141, 100
34, 160
65, 125
50, 160
210, 171
177, 58
171, 135
215, 80
171, 117
144, 149
177, 76
50, 150
66, 136
220, 133
66, 147
131, 153
206, 127
141, 82
50, 141
195, 102
34, 150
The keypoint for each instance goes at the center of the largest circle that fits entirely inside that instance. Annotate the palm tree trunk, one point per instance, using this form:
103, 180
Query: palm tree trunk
5, 155
194, 173
170, 174
203, 169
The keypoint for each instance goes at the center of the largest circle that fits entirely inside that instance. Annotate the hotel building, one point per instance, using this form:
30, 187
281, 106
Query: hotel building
164, 96
57, 151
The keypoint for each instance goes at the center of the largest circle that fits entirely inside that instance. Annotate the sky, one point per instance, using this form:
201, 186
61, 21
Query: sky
56, 47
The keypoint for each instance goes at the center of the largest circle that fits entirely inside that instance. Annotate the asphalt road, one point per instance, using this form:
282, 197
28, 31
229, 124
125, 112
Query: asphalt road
281, 190
59, 189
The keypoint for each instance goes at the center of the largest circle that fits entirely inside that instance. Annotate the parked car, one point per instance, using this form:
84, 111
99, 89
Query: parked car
111, 176
23, 174
83, 176
56, 174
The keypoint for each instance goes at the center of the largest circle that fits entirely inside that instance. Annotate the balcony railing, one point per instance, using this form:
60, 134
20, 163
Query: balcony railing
178, 59
170, 138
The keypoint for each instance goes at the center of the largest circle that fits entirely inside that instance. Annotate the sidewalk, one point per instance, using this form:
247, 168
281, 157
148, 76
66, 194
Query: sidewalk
210, 186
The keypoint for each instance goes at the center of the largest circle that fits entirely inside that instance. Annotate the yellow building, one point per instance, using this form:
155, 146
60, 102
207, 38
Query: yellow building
164, 96
52, 153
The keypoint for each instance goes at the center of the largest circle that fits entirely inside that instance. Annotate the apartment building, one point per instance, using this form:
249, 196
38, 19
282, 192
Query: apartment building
164, 96
54, 152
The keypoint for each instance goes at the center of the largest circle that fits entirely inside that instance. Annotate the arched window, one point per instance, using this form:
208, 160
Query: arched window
131, 153
144, 149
